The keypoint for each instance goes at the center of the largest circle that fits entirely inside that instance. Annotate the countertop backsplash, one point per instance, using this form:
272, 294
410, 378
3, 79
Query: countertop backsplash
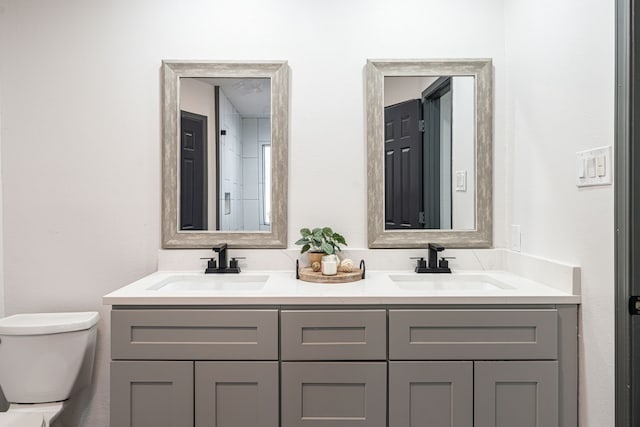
558, 275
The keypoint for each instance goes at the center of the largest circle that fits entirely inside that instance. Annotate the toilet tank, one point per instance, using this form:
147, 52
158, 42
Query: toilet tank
44, 357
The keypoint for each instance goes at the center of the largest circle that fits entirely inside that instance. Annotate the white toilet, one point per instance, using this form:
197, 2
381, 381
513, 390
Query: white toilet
44, 358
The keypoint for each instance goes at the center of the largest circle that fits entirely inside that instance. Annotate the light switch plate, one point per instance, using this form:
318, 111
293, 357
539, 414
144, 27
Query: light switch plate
593, 167
461, 180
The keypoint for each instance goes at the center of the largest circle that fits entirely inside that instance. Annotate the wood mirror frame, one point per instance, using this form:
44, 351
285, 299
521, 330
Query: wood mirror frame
482, 71
278, 72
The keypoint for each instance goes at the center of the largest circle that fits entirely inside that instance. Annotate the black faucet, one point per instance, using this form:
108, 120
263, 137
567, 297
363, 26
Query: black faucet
220, 267
433, 265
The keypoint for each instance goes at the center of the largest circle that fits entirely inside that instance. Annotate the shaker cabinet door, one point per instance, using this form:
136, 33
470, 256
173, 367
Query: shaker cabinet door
333, 394
151, 394
523, 394
235, 394
434, 394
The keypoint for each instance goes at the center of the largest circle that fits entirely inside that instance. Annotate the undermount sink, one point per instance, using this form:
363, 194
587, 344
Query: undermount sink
447, 282
212, 283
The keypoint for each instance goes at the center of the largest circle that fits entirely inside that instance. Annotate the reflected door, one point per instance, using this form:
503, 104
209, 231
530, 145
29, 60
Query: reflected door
193, 171
403, 166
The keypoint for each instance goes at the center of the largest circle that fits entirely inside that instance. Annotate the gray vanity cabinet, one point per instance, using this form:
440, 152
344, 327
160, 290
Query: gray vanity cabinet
202, 368
517, 367
523, 394
473, 394
431, 394
334, 394
367, 366
151, 393
334, 370
232, 394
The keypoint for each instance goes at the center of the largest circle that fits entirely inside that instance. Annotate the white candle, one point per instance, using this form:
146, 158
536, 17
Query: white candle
329, 265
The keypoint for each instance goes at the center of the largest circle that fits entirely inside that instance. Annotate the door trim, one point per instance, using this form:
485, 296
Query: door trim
622, 191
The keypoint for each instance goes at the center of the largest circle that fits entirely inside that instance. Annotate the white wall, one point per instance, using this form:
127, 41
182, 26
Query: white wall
404, 88
82, 182
255, 133
199, 98
560, 99
231, 219
1, 229
463, 152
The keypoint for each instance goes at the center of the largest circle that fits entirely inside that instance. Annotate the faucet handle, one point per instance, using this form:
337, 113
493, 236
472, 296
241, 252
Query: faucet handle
234, 261
444, 261
212, 264
420, 263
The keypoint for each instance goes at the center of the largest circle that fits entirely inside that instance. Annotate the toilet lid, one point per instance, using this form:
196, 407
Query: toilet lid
21, 419
47, 323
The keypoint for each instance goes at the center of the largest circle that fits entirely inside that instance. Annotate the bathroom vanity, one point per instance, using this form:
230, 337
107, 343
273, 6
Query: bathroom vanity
267, 350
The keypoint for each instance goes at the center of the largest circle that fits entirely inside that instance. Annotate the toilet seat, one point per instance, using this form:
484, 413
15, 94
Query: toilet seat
21, 419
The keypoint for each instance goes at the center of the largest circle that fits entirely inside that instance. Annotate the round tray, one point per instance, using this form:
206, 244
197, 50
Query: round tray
308, 275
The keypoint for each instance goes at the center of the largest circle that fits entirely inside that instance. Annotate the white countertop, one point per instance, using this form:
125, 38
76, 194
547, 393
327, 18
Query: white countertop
282, 287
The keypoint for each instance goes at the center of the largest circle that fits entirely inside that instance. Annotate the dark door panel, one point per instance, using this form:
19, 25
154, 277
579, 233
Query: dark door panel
193, 171
403, 165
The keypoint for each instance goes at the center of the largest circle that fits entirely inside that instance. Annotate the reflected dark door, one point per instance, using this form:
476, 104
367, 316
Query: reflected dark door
193, 171
403, 165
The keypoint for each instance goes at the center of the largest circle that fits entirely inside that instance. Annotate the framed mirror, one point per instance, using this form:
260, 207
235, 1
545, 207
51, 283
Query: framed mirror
429, 153
225, 137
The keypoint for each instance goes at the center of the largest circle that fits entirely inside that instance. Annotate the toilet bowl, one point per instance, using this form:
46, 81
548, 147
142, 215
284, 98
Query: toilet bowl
21, 419
31, 415
44, 359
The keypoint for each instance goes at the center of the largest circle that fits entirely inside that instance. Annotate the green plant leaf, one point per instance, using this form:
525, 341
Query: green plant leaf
305, 232
327, 248
305, 248
327, 231
317, 233
302, 241
339, 238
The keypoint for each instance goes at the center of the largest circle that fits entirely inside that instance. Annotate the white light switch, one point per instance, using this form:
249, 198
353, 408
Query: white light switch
601, 169
591, 167
594, 167
461, 180
582, 168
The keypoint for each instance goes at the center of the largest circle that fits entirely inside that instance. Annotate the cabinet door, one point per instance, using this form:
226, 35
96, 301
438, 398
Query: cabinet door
433, 394
233, 394
333, 394
523, 394
151, 394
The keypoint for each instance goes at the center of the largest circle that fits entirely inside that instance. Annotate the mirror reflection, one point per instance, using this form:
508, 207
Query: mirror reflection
224, 154
429, 152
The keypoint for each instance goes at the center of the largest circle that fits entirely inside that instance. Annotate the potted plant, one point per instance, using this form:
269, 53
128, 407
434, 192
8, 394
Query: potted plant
320, 242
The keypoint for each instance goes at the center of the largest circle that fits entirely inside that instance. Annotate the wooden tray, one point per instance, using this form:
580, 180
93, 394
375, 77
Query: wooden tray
308, 275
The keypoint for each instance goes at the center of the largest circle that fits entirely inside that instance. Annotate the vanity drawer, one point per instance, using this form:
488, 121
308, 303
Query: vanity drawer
194, 334
473, 334
334, 334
